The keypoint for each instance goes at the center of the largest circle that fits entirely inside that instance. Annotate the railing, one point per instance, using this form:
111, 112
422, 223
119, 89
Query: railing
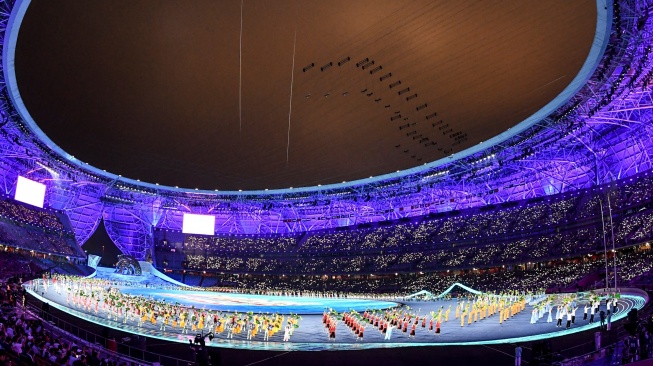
588, 357
131, 354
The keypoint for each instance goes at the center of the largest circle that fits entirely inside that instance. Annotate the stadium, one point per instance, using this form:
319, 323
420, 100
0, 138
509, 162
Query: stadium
251, 182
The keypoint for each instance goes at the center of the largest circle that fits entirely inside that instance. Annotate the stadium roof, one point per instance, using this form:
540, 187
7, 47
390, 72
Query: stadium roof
257, 94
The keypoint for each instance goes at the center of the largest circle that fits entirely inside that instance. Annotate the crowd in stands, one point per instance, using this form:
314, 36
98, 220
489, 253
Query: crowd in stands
569, 275
517, 251
32, 228
25, 339
18, 212
18, 263
538, 229
37, 240
28, 340
200, 244
14, 264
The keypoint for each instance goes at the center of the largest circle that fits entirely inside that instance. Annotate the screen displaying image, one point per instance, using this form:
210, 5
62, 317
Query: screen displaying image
30, 192
198, 224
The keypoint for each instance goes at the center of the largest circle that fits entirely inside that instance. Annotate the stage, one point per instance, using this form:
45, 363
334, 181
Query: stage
311, 335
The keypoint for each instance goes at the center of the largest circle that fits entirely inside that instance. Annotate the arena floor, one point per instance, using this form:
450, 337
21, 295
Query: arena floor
312, 336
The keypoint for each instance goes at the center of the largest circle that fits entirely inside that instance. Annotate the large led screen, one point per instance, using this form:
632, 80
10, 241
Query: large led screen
30, 192
198, 224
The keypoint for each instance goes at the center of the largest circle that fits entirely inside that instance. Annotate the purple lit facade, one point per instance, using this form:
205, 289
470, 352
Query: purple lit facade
602, 134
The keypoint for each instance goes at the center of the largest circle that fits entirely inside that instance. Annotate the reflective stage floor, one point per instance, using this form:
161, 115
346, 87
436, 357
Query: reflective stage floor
311, 334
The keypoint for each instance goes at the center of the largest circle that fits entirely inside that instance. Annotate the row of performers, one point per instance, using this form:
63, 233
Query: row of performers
126, 308
402, 319
486, 306
74, 280
402, 322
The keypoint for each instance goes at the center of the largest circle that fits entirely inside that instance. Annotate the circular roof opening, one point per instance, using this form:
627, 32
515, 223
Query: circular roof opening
211, 95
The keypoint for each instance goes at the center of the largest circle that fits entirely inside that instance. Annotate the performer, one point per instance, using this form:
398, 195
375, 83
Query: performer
534, 316
569, 315
250, 329
437, 328
549, 319
332, 331
267, 331
388, 333
585, 312
183, 324
559, 315
286, 333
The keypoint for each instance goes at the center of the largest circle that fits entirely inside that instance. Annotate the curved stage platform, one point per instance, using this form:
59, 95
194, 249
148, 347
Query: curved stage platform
311, 334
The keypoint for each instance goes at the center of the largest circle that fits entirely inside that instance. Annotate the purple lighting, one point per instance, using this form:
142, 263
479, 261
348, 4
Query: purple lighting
600, 134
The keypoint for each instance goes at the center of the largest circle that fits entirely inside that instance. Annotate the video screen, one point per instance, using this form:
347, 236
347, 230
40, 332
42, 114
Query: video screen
198, 224
30, 192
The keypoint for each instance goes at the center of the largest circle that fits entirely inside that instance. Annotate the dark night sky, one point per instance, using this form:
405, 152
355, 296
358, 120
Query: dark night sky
158, 91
